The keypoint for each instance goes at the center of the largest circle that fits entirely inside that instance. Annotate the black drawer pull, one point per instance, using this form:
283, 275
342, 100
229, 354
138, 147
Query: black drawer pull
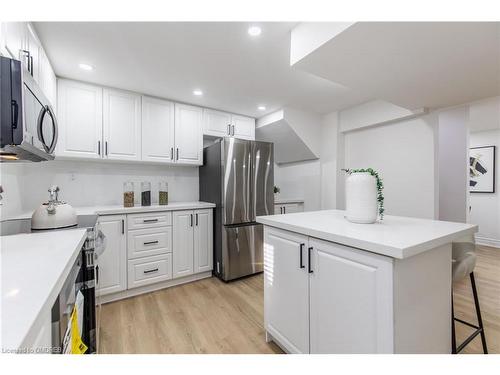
151, 271
151, 243
309, 260
301, 261
150, 221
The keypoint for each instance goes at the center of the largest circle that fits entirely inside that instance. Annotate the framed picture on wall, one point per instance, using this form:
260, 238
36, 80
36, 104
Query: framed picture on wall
482, 169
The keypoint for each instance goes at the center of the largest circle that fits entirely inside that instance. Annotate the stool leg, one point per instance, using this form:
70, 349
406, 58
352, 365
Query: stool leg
453, 338
478, 312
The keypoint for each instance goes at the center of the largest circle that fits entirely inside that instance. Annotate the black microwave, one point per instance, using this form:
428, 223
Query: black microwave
28, 122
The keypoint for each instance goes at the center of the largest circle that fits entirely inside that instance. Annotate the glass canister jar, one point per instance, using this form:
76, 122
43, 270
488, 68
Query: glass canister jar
146, 193
128, 194
163, 193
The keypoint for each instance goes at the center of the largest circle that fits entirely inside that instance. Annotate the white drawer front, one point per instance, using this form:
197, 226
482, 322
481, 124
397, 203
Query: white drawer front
147, 242
149, 220
149, 270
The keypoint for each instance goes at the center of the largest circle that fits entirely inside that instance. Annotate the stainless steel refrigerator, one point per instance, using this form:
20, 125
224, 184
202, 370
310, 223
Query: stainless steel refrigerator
238, 177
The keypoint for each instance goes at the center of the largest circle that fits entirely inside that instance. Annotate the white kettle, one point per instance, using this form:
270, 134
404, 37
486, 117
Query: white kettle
53, 214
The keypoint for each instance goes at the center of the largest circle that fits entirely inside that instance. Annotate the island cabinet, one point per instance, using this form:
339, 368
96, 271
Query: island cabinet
324, 297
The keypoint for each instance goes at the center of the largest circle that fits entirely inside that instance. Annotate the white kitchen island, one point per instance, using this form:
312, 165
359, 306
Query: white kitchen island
331, 286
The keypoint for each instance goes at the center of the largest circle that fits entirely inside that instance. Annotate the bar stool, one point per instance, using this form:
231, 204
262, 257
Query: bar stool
463, 263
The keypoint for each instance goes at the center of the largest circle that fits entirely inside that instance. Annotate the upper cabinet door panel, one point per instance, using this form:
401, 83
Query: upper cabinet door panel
15, 39
157, 130
188, 134
79, 119
244, 127
216, 123
122, 125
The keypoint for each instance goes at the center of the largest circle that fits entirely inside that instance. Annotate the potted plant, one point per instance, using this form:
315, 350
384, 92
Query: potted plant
276, 192
364, 196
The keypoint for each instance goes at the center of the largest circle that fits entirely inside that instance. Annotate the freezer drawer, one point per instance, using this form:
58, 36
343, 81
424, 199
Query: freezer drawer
242, 250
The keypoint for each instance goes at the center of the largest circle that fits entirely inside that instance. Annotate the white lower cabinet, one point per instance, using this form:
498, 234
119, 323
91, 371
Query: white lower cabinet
321, 297
149, 270
113, 261
286, 290
193, 242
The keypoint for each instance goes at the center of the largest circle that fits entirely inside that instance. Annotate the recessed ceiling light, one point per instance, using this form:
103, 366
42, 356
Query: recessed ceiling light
86, 67
261, 107
197, 92
254, 30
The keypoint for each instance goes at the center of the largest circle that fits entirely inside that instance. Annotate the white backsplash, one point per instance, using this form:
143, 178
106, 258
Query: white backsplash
85, 183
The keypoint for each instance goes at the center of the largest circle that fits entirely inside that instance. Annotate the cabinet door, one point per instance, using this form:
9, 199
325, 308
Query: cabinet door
203, 241
34, 49
48, 82
113, 261
15, 39
290, 208
79, 108
182, 249
286, 289
122, 125
350, 300
157, 130
216, 123
188, 134
244, 127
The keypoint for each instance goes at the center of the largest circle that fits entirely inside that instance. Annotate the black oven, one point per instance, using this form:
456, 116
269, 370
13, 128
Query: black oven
27, 119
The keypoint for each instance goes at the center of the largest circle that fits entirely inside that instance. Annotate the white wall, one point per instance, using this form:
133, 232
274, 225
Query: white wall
404, 155
485, 207
85, 183
328, 161
453, 160
300, 180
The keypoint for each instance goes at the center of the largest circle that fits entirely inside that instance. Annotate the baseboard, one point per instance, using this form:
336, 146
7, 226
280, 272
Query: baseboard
485, 241
153, 287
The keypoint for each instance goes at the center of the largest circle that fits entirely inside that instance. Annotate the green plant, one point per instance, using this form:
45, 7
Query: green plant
276, 190
380, 187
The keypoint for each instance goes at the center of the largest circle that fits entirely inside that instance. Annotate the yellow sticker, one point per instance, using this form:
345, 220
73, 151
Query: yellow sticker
77, 345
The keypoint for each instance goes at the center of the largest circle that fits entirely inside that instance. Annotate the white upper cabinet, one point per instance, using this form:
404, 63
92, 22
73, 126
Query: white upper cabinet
188, 134
243, 127
47, 79
121, 125
223, 124
79, 110
15, 40
34, 48
158, 129
216, 123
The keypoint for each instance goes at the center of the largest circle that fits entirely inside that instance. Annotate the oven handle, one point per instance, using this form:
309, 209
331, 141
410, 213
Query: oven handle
48, 109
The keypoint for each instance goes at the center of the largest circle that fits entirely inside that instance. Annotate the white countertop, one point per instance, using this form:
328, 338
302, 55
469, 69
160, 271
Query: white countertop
119, 209
33, 270
397, 237
288, 200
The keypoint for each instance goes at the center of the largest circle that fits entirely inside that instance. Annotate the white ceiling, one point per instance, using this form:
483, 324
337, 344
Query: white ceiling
169, 59
413, 64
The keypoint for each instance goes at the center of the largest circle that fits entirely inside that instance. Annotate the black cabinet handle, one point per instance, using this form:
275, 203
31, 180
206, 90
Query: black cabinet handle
31, 64
171, 153
150, 243
196, 219
151, 271
150, 220
123, 226
309, 265
106, 148
300, 255
284, 209
281, 210
177, 154
228, 129
191, 219
99, 148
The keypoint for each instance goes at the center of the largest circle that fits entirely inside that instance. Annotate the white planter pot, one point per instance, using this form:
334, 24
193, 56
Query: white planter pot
361, 198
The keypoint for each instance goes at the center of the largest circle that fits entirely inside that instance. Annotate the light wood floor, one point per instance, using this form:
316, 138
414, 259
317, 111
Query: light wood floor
210, 316
487, 274
206, 316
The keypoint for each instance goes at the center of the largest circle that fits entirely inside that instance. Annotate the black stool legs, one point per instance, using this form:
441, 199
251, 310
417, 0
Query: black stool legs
479, 328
